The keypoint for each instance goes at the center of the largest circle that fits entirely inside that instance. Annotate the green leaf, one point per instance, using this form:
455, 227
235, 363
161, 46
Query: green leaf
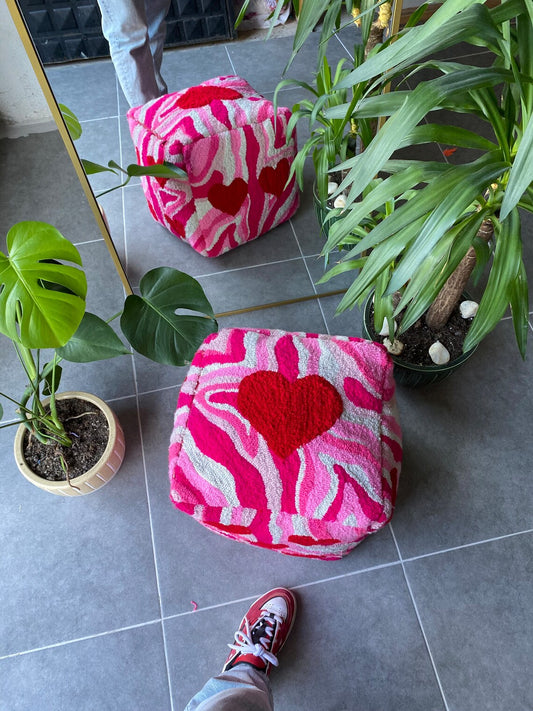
408, 174
417, 104
504, 271
71, 122
94, 340
448, 135
458, 187
92, 168
151, 324
51, 375
519, 300
30, 313
521, 175
431, 276
453, 22
163, 170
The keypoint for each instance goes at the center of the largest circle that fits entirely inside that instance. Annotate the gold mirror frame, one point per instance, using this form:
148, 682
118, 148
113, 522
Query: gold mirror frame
38, 69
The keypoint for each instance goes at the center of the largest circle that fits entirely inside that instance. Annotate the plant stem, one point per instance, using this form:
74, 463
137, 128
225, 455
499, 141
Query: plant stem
441, 309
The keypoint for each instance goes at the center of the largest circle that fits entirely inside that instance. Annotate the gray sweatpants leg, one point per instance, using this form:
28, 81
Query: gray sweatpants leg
243, 688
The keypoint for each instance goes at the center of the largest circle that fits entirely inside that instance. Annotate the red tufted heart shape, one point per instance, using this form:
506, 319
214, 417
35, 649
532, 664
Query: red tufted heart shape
198, 96
273, 180
288, 414
228, 198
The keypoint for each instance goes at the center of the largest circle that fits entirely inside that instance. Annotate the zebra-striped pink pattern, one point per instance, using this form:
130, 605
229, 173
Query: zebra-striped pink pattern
289, 441
235, 152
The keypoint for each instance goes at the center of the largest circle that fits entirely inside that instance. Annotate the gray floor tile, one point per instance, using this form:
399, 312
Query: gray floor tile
465, 469
149, 245
116, 672
197, 564
474, 606
59, 202
89, 89
100, 143
367, 619
254, 286
78, 566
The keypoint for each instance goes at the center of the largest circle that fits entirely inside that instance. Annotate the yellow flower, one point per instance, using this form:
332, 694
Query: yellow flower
355, 14
384, 15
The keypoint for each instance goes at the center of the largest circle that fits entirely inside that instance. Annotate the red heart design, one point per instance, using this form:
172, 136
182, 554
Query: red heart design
228, 198
273, 180
288, 414
198, 96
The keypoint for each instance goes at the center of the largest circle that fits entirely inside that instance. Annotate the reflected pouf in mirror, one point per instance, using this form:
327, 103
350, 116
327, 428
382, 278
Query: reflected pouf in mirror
288, 441
235, 153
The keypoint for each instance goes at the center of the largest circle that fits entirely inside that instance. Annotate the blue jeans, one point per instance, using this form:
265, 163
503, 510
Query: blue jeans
135, 30
243, 688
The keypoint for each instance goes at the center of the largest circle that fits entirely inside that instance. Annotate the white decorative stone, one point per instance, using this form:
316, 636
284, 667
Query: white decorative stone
332, 186
439, 354
468, 309
385, 328
394, 347
340, 201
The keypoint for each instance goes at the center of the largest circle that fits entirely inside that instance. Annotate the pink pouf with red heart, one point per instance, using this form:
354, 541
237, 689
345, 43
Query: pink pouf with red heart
288, 441
236, 156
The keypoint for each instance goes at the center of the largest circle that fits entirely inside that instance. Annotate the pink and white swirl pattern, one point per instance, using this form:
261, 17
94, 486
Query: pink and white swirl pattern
255, 482
234, 150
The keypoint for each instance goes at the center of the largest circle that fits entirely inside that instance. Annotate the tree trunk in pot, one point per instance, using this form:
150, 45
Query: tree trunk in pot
441, 309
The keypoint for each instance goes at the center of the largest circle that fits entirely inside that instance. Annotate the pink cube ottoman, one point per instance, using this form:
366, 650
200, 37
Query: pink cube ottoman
289, 441
235, 152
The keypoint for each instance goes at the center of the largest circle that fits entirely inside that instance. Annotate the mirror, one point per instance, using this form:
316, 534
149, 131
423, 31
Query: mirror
64, 135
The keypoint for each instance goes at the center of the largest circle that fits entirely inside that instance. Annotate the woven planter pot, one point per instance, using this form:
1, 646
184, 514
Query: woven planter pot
409, 374
102, 472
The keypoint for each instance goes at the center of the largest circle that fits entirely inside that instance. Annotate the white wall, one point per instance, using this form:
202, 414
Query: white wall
23, 108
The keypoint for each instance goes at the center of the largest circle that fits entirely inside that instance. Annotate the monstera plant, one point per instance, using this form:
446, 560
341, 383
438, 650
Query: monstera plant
43, 313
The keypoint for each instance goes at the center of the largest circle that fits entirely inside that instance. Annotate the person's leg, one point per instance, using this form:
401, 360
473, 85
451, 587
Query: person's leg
125, 27
243, 684
156, 12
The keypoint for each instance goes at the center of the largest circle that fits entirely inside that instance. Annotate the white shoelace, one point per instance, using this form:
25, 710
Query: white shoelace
245, 644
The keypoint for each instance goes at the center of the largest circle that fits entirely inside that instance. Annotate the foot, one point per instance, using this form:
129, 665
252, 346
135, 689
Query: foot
263, 631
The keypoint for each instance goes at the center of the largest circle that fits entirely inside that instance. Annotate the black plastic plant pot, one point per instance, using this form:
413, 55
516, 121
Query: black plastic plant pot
409, 374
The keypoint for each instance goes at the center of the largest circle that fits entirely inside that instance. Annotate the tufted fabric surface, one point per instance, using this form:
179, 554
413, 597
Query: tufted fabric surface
289, 441
235, 153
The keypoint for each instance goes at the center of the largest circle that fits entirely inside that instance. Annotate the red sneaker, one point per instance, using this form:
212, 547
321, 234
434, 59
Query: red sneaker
263, 631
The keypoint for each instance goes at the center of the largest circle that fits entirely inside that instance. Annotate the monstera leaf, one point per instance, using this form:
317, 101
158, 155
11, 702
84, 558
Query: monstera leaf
94, 340
42, 301
152, 325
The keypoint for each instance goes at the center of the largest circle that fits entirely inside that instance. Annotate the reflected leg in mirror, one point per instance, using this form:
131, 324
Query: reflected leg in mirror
135, 30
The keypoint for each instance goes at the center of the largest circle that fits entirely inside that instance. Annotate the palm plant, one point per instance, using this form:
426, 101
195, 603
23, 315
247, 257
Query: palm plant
335, 134
425, 248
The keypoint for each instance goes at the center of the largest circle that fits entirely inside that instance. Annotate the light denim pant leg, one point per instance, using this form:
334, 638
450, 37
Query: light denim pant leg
243, 688
135, 30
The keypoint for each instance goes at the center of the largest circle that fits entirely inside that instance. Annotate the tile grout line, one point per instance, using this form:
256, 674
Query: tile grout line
417, 613
150, 521
302, 586
80, 639
468, 545
141, 442
326, 326
230, 60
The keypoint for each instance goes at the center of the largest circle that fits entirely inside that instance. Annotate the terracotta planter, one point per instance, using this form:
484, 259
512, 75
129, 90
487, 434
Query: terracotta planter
409, 374
102, 472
